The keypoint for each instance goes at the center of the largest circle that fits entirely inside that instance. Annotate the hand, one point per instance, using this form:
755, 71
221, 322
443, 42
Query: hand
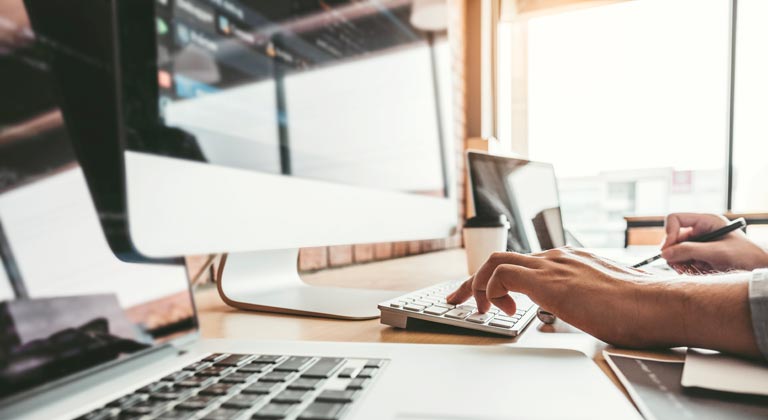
733, 251
602, 298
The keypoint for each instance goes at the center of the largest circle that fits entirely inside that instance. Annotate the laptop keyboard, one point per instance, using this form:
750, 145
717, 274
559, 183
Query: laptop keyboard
429, 304
246, 386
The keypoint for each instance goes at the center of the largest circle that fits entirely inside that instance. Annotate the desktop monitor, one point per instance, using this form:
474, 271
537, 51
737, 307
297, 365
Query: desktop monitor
525, 192
255, 128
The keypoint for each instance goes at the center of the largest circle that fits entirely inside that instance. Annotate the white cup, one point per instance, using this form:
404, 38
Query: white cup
482, 237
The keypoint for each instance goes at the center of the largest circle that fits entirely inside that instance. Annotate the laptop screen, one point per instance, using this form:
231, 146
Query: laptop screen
67, 304
524, 191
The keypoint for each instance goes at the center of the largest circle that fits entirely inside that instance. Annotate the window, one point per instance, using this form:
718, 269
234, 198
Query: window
630, 103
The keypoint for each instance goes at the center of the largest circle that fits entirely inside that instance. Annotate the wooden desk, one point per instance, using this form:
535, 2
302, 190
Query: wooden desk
221, 321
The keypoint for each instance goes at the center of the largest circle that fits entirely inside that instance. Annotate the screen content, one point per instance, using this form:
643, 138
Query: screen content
335, 90
67, 303
524, 191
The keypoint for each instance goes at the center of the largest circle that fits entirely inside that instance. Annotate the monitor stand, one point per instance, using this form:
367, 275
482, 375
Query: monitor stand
269, 281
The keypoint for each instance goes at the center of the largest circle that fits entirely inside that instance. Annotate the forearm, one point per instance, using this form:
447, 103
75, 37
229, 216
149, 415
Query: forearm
709, 312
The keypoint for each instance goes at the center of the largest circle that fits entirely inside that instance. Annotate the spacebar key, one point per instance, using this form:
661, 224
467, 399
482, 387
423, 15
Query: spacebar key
324, 368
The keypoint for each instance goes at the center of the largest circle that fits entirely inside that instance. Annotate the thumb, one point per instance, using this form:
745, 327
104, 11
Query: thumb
687, 251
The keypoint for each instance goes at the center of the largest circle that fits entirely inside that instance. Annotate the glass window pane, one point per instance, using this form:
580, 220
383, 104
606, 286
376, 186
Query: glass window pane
629, 101
750, 131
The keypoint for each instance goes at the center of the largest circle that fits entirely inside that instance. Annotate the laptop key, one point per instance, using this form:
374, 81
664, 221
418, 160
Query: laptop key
261, 388
177, 415
358, 383
268, 358
346, 372
224, 414
177, 376
324, 368
194, 367
255, 367
374, 363
215, 357
101, 414
196, 382
293, 364
322, 411
332, 395
304, 384
218, 389
235, 360
243, 401
155, 387
277, 377
290, 396
367, 373
238, 377
215, 371
197, 402
273, 411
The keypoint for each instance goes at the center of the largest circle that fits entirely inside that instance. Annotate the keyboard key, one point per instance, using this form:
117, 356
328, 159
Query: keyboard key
479, 318
505, 318
196, 382
374, 363
197, 402
424, 303
273, 411
261, 388
458, 313
177, 415
358, 383
347, 372
242, 401
155, 387
304, 383
235, 360
398, 304
470, 308
215, 357
324, 368
322, 411
293, 364
218, 389
266, 358
290, 396
166, 396
215, 371
414, 307
238, 377
177, 376
367, 373
223, 414
331, 395
277, 377
500, 324
436, 310
255, 367
194, 367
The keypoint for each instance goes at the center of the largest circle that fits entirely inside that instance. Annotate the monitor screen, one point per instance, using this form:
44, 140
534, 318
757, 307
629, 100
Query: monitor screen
343, 91
524, 191
67, 303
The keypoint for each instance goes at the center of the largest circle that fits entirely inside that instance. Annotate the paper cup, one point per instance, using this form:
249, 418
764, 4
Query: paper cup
482, 237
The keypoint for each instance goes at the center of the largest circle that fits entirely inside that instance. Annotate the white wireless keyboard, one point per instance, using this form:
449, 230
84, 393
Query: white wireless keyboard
429, 304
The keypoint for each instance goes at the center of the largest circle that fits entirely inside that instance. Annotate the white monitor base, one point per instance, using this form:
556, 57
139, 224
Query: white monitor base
269, 281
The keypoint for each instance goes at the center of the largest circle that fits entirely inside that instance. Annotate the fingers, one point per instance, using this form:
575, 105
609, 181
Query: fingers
688, 251
507, 278
676, 224
461, 294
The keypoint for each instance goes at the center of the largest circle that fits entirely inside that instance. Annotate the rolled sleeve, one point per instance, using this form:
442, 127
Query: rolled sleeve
758, 305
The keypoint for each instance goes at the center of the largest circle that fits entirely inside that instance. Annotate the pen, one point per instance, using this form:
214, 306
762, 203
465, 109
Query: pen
706, 237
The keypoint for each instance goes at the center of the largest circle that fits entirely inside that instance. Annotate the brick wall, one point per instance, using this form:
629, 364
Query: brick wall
318, 258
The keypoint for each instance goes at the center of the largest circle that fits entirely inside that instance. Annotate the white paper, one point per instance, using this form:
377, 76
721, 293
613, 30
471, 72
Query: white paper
716, 371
